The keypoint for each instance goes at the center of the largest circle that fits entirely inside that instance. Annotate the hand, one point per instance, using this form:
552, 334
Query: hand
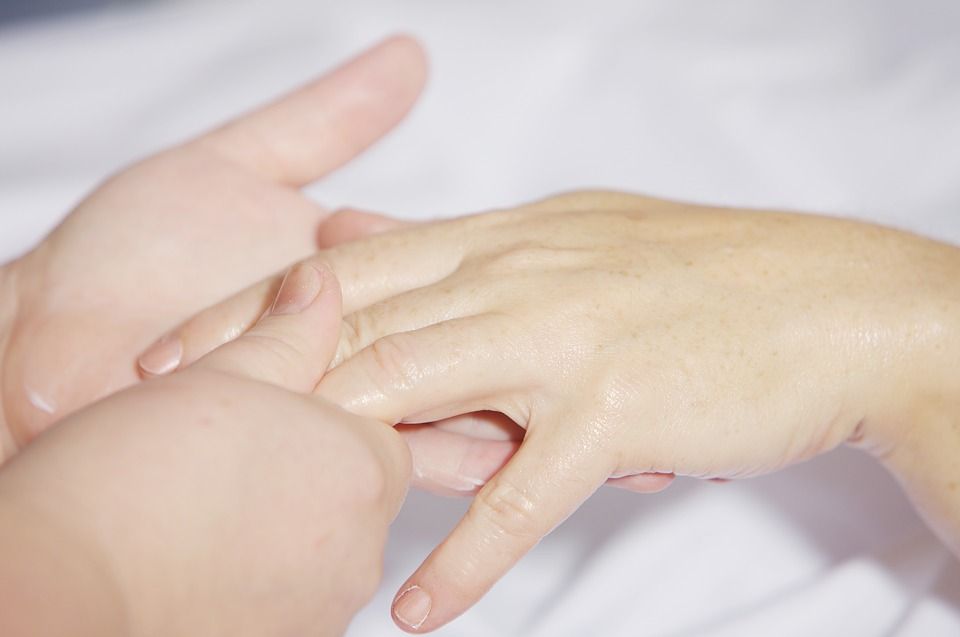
631, 336
218, 501
178, 232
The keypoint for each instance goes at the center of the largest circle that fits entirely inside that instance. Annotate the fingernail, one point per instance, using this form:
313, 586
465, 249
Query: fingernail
412, 607
163, 356
299, 289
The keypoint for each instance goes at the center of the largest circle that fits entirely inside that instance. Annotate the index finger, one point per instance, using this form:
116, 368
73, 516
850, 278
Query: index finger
369, 270
545, 481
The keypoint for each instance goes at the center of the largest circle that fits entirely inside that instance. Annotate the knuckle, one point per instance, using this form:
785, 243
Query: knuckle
527, 255
359, 330
349, 343
394, 365
508, 509
275, 343
490, 219
272, 350
512, 260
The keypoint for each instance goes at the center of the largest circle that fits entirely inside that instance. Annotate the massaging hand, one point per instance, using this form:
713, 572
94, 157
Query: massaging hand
179, 232
631, 336
223, 500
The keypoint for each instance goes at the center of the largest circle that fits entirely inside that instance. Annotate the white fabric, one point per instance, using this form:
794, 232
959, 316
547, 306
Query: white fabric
846, 107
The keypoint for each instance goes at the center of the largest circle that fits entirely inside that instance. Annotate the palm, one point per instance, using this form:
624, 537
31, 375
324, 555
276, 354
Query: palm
141, 254
182, 230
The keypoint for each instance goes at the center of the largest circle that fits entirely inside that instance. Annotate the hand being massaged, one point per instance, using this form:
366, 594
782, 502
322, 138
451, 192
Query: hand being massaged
633, 339
584, 339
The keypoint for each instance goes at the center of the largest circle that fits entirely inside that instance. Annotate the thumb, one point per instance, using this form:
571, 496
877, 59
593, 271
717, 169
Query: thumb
292, 344
305, 135
350, 224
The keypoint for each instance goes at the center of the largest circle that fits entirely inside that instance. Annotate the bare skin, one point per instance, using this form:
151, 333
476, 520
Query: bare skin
178, 232
223, 500
631, 336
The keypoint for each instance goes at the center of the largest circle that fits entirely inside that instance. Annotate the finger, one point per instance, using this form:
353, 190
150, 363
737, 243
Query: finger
389, 263
544, 482
225, 321
368, 271
314, 130
643, 482
447, 461
446, 300
208, 330
350, 224
486, 425
455, 367
452, 464
292, 344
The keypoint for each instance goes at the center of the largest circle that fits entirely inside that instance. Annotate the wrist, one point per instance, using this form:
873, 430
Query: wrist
925, 463
920, 423
928, 378
907, 318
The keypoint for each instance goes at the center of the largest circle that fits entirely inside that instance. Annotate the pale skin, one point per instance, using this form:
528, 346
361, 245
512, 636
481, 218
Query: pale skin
210, 519
209, 502
635, 339
632, 338
178, 232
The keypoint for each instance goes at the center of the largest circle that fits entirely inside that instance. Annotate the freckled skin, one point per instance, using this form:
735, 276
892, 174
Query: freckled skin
748, 287
632, 335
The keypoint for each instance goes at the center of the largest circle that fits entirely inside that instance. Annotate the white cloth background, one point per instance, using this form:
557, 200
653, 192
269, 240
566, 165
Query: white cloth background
846, 107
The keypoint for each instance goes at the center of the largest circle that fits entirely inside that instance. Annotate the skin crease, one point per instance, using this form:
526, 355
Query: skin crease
630, 335
180, 231
437, 455
179, 507
76, 310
